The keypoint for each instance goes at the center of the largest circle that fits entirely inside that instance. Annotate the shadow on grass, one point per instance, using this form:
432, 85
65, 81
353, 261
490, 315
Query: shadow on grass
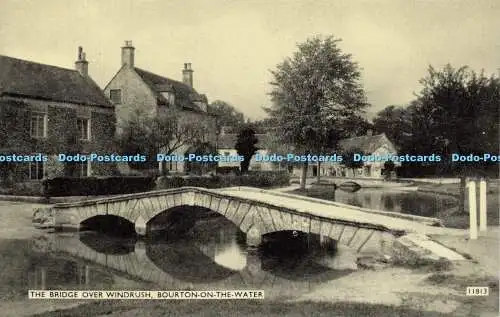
422, 264
220, 308
461, 282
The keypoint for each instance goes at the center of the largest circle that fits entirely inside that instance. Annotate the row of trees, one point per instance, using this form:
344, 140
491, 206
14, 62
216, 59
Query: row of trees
317, 99
457, 111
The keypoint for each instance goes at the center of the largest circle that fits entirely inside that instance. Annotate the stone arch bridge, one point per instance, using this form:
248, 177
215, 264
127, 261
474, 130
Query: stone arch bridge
257, 212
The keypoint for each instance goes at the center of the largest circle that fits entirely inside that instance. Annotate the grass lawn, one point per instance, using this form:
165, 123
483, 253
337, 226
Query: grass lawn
221, 308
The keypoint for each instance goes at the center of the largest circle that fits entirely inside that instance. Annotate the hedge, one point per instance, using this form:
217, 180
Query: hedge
228, 170
113, 185
253, 179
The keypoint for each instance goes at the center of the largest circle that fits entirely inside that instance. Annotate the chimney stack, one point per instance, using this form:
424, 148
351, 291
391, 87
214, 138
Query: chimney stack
187, 75
81, 64
128, 54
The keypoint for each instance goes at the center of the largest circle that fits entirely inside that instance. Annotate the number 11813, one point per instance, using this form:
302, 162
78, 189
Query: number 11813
477, 291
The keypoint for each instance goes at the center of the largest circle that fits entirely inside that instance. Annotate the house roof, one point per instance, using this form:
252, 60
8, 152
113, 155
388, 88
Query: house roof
23, 78
365, 143
185, 96
228, 141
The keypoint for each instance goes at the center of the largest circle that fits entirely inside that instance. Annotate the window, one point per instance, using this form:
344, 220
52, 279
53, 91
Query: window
169, 96
83, 126
172, 166
36, 170
38, 125
115, 95
84, 169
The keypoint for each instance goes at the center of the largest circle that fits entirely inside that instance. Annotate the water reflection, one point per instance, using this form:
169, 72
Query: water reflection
109, 245
230, 256
212, 256
415, 203
186, 262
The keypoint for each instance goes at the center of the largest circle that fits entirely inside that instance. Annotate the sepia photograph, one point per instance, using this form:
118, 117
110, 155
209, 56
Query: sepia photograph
250, 158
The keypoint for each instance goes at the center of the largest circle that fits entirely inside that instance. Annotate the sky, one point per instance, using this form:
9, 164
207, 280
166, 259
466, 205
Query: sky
233, 44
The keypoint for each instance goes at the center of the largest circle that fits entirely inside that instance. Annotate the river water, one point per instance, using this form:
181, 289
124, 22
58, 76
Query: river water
408, 202
211, 255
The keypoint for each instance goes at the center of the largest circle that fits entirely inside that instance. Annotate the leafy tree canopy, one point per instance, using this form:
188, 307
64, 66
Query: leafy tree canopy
164, 133
246, 146
227, 115
315, 92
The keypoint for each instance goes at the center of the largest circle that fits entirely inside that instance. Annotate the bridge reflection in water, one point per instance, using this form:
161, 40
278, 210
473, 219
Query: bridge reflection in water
219, 263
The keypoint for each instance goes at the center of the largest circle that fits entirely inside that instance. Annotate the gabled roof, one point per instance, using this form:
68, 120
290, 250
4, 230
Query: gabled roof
366, 143
185, 96
28, 79
228, 141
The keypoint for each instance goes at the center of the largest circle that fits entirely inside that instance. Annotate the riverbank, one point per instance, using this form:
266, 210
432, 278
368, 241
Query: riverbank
450, 216
455, 219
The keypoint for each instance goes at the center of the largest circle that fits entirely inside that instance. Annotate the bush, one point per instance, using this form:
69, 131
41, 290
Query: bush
254, 179
23, 189
72, 186
228, 170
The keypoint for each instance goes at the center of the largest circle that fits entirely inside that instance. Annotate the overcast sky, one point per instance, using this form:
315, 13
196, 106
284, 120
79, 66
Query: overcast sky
233, 44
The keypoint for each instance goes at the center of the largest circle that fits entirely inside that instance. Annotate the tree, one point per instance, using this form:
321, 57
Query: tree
245, 145
456, 112
227, 115
315, 93
356, 125
389, 167
164, 133
395, 122
458, 105
273, 144
263, 126
349, 162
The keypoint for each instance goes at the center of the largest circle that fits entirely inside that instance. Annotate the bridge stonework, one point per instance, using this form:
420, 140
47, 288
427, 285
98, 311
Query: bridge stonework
254, 218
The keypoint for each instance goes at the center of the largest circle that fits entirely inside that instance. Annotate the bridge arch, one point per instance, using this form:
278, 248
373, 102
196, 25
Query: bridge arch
110, 224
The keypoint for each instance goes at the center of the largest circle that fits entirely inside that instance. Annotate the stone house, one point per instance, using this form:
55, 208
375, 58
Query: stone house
368, 144
377, 145
50, 110
133, 88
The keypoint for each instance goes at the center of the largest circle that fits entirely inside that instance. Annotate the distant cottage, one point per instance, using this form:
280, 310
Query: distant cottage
134, 88
368, 144
49, 110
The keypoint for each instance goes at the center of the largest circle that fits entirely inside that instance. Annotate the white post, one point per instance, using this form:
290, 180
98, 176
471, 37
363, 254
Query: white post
160, 167
482, 206
472, 210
